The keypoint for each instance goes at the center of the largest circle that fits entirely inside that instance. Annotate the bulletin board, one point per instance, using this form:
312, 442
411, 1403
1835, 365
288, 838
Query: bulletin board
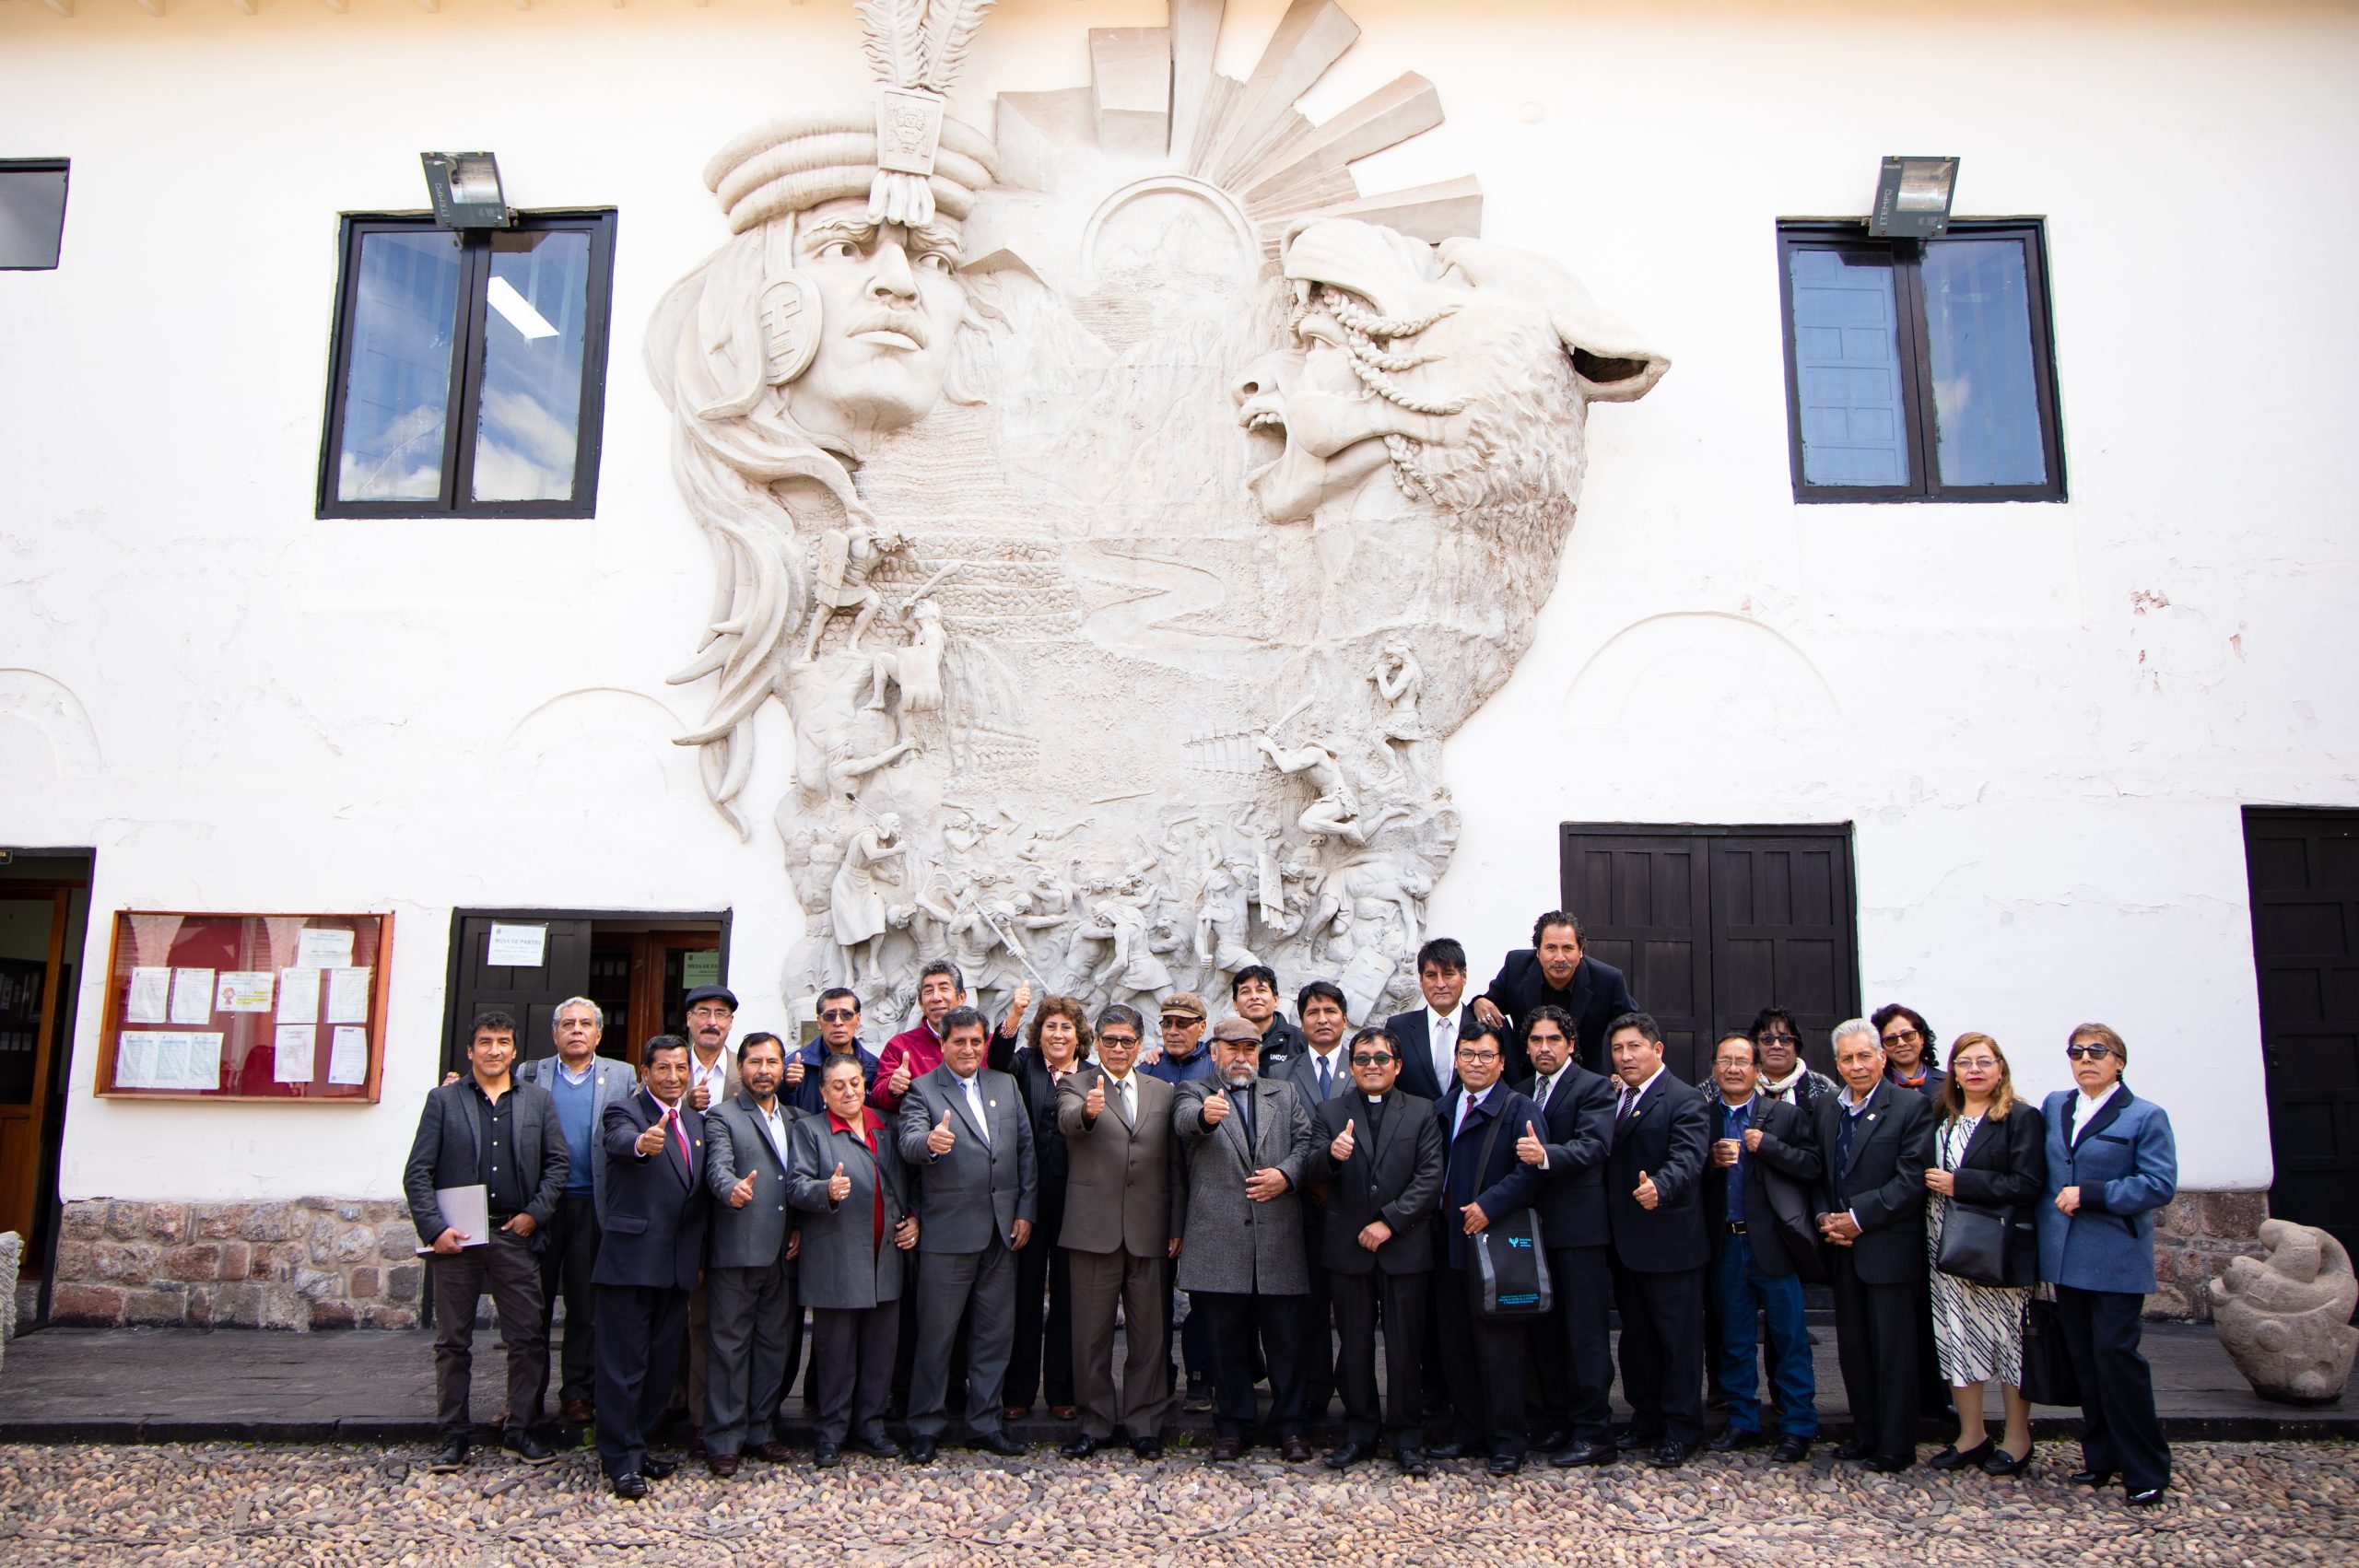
245, 1007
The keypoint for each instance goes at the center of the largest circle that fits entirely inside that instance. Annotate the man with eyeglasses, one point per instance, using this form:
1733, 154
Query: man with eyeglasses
1379, 1151
1573, 1345
1319, 1071
1184, 1059
713, 1080
838, 1035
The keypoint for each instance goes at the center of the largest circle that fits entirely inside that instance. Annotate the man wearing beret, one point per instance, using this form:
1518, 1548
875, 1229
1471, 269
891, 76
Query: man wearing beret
712, 1082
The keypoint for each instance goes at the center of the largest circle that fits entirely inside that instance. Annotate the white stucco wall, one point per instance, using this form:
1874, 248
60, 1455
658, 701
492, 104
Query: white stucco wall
241, 707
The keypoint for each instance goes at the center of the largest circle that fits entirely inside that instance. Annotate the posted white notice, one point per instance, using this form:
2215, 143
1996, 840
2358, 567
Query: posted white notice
149, 987
348, 1054
242, 990
516, 947
168, 1058
192, 996
295, 1053
347, 995
298, 996
318, 947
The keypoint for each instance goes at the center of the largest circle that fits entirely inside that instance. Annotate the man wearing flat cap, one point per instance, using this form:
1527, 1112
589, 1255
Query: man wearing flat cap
712, 1082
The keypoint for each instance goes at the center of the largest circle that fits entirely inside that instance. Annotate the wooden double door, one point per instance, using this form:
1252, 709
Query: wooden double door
638, 969
1711, 924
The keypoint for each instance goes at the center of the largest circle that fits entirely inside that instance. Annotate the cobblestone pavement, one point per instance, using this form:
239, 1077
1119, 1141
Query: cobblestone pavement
2261, 1504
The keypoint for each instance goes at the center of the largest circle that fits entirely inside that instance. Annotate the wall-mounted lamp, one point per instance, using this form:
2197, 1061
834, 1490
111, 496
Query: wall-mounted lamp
465, 186
1913, 197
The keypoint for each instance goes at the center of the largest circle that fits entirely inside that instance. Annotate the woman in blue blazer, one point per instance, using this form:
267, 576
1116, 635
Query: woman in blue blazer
2111, 1162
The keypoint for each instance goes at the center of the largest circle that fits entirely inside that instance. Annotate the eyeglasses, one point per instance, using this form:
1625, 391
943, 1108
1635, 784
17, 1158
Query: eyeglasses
840, 1015
1180, 1021
2087, 1053
1370, 1058
1465, 1055
711, 1014
1903, 1037
1118, 1039
1777, 1039
1978, 1063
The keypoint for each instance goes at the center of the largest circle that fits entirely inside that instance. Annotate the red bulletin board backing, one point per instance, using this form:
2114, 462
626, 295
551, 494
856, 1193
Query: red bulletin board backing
245, 1007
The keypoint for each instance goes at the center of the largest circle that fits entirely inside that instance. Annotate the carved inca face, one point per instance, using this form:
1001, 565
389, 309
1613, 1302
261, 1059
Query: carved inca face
890, 305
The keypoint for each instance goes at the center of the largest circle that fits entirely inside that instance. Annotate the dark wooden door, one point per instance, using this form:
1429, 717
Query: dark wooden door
528, 995
2303, 868
1712, 924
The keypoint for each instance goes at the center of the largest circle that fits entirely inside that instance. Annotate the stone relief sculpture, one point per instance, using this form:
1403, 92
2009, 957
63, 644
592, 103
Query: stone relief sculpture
2284, 1318
1119, 505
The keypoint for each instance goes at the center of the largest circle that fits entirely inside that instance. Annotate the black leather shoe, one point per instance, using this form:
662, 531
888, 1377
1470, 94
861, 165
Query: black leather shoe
1669, 1455
2147, 1498
1447, 1450
2091, 1478
1727, 1440
1294, 1450
1626, 1438
630, 1485
1412, 1462
1583, 1454
527, 1447
1504, 1464
1345, 1456
1790, 1450
921, 1450
1081, 1448
1227, 1450
1892, 1464
654, 1468
1855, 1451
2005, 1464
1949, 1459
826, 1454
882, 1446
998, 1443
1555, 1437
451, 1456
1147, 1447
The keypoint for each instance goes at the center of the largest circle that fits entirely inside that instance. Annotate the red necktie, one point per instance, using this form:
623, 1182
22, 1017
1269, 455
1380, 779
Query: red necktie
671, 1120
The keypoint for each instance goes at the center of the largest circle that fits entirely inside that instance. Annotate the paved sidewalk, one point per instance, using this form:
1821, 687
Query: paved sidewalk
189, 1385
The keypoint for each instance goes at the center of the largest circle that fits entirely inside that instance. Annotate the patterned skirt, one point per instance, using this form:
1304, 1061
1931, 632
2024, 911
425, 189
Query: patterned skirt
1977, 1329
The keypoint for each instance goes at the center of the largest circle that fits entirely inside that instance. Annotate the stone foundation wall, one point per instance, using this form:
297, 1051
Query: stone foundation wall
2195, 1236
349, 1263
311, 1263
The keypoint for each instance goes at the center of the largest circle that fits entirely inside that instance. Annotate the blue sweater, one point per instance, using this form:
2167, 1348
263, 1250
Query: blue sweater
574, 1105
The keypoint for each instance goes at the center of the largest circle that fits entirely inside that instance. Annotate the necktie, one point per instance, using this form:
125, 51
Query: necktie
975, 1104
1445, 1049
1243, 1100
1326, 1079
1547, 1087
680, 1135
1130, 1107
1629, 1102
1843, 1131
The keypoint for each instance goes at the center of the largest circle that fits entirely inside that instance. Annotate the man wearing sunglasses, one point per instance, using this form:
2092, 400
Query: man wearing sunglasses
1379, 1151
838, 1035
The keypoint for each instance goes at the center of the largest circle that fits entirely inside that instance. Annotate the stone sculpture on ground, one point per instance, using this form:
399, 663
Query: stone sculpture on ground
1122, 502
2284, 1318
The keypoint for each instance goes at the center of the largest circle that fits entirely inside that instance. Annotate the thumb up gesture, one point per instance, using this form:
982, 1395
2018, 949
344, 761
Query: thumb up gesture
1341, 1150
1645, 1191
1095, 1105
649, 1141
743, 1193
900, 1083
1215, 1107
839, 1185
1528, 1149
938, 1143
795, 1070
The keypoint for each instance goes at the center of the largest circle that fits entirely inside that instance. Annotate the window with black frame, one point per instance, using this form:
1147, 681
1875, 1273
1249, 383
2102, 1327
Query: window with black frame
469, 372
1919, 369
32, 213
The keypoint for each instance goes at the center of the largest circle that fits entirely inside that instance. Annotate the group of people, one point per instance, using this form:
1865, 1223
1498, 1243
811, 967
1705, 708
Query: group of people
966, 1212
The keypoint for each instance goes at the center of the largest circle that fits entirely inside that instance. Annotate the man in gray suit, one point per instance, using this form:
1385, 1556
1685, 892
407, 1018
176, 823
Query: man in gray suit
1248, 1141
583, 1084
965, 1132
1121, 1228
753, 1321
486, 1131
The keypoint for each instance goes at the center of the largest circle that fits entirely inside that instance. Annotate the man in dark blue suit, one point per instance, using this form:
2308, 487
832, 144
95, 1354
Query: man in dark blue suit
1483, 1183
1572, 1345
1428, 1036
1320, 1070
1554, 971
647, 1260
1655, 1209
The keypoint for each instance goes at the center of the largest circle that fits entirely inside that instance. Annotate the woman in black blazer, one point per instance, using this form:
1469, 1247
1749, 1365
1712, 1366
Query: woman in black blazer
1057, 1042
1991, 1151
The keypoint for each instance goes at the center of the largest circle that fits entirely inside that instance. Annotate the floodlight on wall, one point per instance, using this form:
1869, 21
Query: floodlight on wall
465, 186
1913, 197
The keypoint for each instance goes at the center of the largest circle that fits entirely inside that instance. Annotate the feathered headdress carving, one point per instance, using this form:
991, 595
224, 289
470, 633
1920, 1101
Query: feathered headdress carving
916, 48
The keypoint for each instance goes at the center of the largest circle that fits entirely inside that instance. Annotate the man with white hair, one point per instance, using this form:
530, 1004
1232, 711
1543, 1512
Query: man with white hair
583, 1083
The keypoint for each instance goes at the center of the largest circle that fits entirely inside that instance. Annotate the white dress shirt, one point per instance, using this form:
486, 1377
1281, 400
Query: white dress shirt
2085, 1112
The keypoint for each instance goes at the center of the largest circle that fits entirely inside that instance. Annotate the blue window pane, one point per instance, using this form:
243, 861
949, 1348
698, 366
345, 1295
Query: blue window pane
1846, 369
397, 389
1986, 403
530, 419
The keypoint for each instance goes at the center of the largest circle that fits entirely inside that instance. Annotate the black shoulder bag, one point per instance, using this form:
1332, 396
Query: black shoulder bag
1511, 1257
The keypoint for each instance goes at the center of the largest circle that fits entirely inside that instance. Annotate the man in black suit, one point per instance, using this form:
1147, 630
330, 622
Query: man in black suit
1320, 1070
486, 1131
1428, 1035
1762, 1165
1554, 971
1572, 1345
1655, 1209
1876, 1141
1380, 1156
647, 1260
1483, 1183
